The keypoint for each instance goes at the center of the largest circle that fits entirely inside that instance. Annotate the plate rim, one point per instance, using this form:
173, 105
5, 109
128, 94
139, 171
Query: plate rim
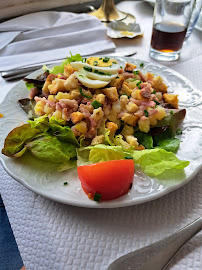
109, 204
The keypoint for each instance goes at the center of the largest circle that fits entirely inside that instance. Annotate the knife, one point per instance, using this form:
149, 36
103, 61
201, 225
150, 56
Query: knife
157, 255
21, 72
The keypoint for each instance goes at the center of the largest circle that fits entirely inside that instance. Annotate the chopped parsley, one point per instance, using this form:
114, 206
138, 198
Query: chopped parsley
95, 63
142, 64
100, 58
178, 131
138, 84
88, 69
101, 72
171, 112
84, 60
97, 197
146, 113
157, 103
80, 75
114, 62
65, 183
106, 59
154, 92
80, 90
96, 104
136, 72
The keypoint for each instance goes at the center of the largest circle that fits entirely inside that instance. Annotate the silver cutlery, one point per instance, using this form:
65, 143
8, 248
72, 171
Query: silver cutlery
21, 72
157, 255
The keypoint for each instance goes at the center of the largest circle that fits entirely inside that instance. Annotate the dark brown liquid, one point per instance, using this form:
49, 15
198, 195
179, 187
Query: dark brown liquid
168, 37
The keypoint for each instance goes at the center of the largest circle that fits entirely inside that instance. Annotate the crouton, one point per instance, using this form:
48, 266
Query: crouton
171, 99
111, 93
131, 107
76, 117
68, 70
100, 98
117, 82
57, 86
112, 127
159, 85
126, 89
127, 130
71, 83
144, 124
129, 67
130, 119
132, 140
97, 114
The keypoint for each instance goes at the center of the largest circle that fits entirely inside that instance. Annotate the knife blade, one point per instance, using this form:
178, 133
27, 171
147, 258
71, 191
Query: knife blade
21, 72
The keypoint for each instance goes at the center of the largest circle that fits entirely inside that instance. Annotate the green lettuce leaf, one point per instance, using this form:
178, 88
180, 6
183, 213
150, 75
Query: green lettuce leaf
167, 134
40, 123
145, 139
64, 134
60, 69
153, 162
119, 141
171, 145
54, 120
99, 153
29, 85
72, 163
49, 148
17, 138
108, 140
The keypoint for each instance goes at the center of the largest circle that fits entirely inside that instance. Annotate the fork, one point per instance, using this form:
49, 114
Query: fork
157, 255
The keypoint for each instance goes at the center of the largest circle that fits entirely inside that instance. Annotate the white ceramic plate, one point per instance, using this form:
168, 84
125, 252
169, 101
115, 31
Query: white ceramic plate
42, 177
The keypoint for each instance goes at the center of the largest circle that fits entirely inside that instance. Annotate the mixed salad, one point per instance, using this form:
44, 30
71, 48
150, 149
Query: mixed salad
91, 111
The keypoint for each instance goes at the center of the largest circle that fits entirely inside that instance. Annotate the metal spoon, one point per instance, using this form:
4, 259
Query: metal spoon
21, 72
157, 255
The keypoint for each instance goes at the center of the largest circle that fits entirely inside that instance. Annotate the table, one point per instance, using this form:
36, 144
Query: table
55, 236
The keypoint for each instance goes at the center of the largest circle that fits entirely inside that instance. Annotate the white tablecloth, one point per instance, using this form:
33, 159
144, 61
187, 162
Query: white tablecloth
55, 236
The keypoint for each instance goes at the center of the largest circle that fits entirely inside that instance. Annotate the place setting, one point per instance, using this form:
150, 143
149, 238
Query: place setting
100, 116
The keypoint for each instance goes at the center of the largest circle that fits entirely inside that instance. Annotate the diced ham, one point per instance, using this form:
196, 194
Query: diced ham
145, 90
152, 112
85, 112
71, 103
51, 77
142, 77
33, 92
76, 132
128, 75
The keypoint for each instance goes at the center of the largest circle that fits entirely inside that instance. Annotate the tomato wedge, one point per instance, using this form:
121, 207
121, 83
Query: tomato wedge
109, 179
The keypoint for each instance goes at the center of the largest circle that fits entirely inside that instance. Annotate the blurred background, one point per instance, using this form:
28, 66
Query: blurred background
14, 8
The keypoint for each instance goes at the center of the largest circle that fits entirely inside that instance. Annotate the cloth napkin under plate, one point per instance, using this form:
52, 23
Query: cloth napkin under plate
50, 35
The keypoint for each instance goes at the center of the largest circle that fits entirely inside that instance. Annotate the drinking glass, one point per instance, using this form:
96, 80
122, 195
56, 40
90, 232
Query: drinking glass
194, 18
170, 23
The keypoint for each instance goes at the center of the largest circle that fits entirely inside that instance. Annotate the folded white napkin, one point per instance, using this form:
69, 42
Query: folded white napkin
50, 35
